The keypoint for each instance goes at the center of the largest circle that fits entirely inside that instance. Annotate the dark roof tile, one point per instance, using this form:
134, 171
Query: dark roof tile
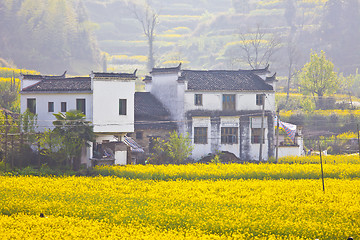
146, 105
147, 79
166, 70
77, 84
42, 77
115, 75
150, 113
225, 80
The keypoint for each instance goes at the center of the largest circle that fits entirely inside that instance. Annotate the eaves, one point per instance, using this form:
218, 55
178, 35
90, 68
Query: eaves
227, 91
56, 92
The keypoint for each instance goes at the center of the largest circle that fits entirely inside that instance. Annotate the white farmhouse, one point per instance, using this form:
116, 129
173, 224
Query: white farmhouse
107, 100
220, 109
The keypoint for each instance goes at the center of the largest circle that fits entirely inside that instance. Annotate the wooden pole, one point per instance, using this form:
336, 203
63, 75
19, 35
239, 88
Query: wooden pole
6, 139
262, 127
277, 135
5, 148
38, 156
322, 170
358, 134
12, 152
21, 149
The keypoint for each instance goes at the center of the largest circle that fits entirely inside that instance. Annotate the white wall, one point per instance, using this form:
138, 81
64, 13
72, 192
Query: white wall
213, 101
100, 138
234, 147
28, 82
120, 157
255, 122
164, 87
255, 150
214, 138
148, 86
86, 154
289, 151
46, 118
201, 150
106, 95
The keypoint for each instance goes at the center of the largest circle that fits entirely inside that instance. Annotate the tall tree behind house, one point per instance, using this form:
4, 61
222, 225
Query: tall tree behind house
148, 18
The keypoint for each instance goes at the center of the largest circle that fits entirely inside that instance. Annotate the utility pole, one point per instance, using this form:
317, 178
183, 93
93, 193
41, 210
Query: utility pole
262, 127
12, 152
358, 134
6, 138
322, 169
277, 135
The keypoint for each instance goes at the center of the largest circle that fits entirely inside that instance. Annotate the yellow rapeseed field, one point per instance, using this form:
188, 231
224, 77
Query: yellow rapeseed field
112, 207
324, 113
297, 170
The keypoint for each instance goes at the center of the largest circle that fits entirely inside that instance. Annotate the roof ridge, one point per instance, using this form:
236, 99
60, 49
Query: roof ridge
41, 77
178, 68
114, 74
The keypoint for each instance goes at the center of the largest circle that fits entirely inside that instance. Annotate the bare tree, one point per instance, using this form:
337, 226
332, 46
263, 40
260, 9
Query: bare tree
292, 57
148, 19
258, 47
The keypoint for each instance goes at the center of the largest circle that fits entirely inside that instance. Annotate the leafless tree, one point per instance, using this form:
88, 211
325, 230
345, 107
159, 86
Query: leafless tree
292, 56
258, 47
148, 19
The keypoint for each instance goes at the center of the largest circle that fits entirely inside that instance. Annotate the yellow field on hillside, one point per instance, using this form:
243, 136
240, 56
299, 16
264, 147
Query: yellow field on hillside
104, 207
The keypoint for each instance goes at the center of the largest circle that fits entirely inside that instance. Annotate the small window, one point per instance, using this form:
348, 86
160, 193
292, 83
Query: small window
80, 105
229, 135
200, 135
198, 99
50, 106
122, 106
139, 135
229, 102
31, 105
260, 99
256, 135
63, 107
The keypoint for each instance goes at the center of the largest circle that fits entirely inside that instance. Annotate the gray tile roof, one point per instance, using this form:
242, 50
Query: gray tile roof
150, 113
221, 80
166, 70
76, 84
225, 80
115, 75
42, 77
271, 79
147, 105
147, 79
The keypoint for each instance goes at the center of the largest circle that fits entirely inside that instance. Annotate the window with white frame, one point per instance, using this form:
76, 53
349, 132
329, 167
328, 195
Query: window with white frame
260, 99
50, 106
122, 106
228, 101
31, 105
198, 100
80, 105
63, 107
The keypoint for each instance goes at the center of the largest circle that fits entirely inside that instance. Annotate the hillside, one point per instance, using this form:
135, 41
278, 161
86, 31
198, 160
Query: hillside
47, 36
202, 34
51, 36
